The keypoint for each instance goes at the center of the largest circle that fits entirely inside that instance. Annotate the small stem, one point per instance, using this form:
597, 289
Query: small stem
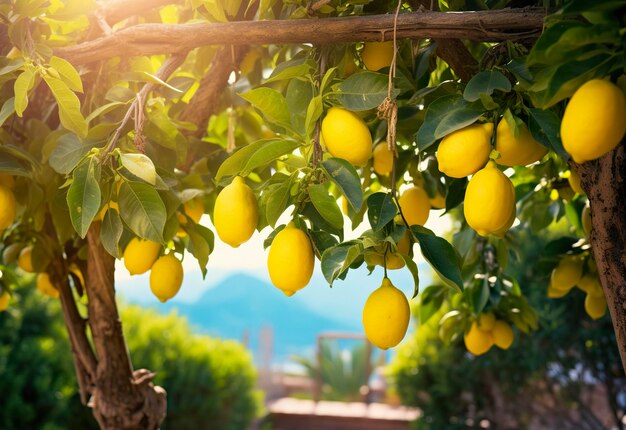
317, 147
385, 258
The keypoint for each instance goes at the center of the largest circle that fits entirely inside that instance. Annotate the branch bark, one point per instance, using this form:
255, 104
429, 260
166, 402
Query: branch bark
149, 39
604, 182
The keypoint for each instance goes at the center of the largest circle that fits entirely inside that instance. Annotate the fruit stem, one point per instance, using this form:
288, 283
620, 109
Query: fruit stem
385, 258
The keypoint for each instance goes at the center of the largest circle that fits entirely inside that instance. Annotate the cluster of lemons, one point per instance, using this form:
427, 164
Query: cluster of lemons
487, 331
569, 274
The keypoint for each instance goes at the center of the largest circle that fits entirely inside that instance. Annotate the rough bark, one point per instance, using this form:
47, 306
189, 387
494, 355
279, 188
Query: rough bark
122, 399
604, 182
149, 39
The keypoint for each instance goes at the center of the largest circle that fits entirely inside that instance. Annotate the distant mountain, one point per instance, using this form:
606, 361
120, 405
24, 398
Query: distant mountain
243, 303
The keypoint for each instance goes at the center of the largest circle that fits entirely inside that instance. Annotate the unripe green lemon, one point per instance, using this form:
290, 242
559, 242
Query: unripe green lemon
595, 306
346, 136
290, 261
45, 286
166, 277
7, 207
502, 334
489, 201
517, 151
382, 159
25, 260
236, 213
478, 341
415, 205
5, 297
140, 255
386, 316
593, 123
465, 151
567, 273
486, 321
377, 55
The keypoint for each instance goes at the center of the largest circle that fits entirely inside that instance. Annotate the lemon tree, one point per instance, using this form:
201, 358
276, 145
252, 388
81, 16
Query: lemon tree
121, 140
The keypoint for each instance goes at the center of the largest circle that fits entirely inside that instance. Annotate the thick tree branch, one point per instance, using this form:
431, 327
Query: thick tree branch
149, 39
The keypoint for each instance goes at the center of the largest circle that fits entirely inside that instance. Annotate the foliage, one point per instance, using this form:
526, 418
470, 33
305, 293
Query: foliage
209, 380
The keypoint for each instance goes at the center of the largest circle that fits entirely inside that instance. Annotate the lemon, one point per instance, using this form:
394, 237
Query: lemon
593, 123
465, 151
590, 285
486, 321
586, 220
7, 180
344, 205
110, 205
236, 213
166, 277
415, 205
140, 255
502, 334
574, 182
595, 306
490, 201
438, 202
553, 293
7, 207
45, 286
394, 260
477, 341
567, 273
25, 260
386, 316
517, 151
346, 136
5, 297
290, 260
194, 209
382, 159
377, 55
349, 66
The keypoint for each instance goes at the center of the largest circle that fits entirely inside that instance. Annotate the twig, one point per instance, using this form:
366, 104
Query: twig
312, 8
317, 147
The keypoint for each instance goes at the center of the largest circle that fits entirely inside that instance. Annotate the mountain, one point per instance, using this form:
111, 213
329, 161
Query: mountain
243, 303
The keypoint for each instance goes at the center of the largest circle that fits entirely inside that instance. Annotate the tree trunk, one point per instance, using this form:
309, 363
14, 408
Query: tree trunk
121, 399
604, 181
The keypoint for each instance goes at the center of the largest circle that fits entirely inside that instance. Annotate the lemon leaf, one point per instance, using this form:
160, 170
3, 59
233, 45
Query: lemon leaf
346, 178
440, 255
142, 210
381, 210
111, 231
326, 205
484, 84
83, 196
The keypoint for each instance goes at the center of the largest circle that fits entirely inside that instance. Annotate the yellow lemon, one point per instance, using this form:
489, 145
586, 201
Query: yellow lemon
194, 209
346, 136
489, 201
593, 123
25, 260
517, 151
394, 260
382, 159
477, 341
465, 151
486, 321
377, 55
574, 182
586, 220
5, 297
502, 334
7, 207
290, 260
438, 202
415, 205
386, 316
567, 273
349, 66
166, 277
590, 285
553, 293
595, 306
140, 255
344, 205
110, 205
7, 180
236, 213
45, 286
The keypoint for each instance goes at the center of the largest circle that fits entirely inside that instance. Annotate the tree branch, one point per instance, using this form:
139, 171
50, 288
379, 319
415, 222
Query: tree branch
150, 39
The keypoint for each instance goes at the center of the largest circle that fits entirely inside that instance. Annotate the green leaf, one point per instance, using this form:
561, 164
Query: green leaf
68, 73
289, 70
430, 302
102, 110
8, 108
445, 115
139, 165
313, 114
11, 66
545, 126
380, 210
440, 255
326, 205
21, 87
200, 249
83, 196
67, 153
277, 199
111, 232
485, 83
410, 264
272, 105
336, 260
69, 106
346, 178
577, 7
364, 91
253, 156
318, 221
549, 38
142, 210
